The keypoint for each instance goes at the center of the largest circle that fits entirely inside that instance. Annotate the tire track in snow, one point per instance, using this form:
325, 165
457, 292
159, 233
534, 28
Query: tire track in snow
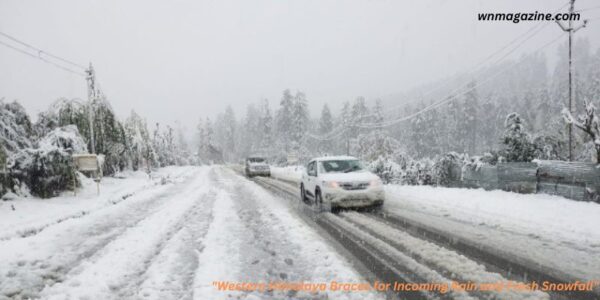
115, 199
444, 261
114, 271
170, 274
67, 246
258, 240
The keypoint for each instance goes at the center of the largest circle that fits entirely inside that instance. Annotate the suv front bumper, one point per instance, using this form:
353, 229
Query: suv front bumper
339, 197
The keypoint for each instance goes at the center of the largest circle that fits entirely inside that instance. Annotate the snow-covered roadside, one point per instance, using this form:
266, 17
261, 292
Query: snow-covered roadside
117, 271
70, 247
536, 227
529, 227
25, 216
256, 237
290, 173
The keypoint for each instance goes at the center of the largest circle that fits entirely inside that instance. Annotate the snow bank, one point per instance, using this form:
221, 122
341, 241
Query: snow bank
535, 226
23, 216
290, 173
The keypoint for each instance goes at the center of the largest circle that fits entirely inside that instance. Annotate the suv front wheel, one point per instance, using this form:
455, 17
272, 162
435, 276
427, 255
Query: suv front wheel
302, 193
318, 198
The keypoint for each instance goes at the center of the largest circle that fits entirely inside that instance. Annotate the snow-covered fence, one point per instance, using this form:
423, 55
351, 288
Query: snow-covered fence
573, 180
485, 176
518, 177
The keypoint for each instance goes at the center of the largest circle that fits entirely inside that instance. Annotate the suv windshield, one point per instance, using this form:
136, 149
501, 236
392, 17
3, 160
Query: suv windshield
341, 166
256, 160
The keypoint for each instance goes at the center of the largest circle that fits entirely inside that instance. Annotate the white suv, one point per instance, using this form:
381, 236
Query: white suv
340, 182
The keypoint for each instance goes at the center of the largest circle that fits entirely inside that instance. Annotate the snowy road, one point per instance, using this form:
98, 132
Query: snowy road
188, 232
395, 255
173, 241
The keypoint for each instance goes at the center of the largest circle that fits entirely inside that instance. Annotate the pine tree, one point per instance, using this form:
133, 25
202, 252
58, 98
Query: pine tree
517, 142
469, 122
284, 119
325, 128
265, 126
299, 124
229, 142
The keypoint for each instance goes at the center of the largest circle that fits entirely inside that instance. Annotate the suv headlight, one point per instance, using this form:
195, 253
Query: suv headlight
375, 183
332, 184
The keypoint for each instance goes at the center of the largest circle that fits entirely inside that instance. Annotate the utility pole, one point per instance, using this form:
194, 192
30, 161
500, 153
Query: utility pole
91, 82
570, 30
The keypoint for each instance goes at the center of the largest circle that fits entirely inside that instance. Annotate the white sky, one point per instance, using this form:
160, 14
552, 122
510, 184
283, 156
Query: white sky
181, 60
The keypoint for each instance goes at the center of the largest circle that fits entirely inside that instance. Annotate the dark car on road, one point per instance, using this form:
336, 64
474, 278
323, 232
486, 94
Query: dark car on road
257, 166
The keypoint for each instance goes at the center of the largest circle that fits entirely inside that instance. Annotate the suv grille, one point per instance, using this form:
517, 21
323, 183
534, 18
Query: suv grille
351, 186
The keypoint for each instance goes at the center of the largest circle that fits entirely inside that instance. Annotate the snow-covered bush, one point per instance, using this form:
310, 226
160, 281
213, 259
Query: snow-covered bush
388, 170
49, 169
418, 172
442, 168
549, 147
517, 145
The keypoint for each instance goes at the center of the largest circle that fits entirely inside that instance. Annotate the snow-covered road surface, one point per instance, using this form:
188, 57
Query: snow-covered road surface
173, 241
532, 236
396, 255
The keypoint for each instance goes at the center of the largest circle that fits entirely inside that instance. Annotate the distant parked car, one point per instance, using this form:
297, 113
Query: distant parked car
257, 166
340, 182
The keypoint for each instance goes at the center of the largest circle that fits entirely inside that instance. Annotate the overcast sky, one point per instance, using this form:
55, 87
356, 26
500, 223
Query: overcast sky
181, 60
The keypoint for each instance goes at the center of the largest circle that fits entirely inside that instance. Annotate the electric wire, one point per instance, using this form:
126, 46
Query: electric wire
42, 59
40, 51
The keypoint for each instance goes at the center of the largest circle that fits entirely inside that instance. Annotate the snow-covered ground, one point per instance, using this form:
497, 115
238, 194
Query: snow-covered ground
290, 173
24, 216
167, 239
534, 228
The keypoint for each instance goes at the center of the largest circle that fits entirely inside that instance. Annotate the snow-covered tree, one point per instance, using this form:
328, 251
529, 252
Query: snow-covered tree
15, 128
516, 141
284, 119
265, 127
360, 116
299, 123
142, 153
228, 134
469, 125
345, 122
589, 123
325, 128
48, 168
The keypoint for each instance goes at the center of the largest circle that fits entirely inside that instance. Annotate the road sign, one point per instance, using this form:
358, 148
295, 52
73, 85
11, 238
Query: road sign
86, 162
89, 163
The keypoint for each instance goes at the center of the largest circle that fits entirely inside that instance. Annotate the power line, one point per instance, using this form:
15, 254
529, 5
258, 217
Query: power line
453, 97
42, 59
40, 51
436, 104
527, 35
479, 66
